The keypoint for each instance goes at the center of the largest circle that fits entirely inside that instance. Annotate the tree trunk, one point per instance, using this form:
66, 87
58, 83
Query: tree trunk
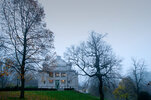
23, 65
101, 88
22, 84
137, 95
137, 91
22, 88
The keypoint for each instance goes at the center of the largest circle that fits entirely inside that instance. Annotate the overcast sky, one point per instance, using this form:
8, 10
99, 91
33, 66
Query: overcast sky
127, 22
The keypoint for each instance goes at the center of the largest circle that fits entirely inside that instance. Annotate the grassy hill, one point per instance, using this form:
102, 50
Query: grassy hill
46, 95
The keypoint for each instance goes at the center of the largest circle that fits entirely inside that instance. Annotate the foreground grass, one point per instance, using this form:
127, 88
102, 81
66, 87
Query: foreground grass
46, 95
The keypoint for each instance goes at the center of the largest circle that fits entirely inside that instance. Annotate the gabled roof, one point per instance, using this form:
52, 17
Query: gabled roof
60, 62
58, 65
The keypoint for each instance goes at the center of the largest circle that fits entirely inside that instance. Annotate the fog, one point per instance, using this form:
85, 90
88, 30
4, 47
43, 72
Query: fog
126, 22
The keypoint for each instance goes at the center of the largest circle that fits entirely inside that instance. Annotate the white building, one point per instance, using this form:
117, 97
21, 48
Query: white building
59, 77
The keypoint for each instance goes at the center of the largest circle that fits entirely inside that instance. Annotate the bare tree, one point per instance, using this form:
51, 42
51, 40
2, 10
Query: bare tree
26, 35
95, 58
138, 74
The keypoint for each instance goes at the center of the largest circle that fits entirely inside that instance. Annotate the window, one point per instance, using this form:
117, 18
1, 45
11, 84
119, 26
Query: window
63, 81
57, 74
63, 74
51, 74
50, 81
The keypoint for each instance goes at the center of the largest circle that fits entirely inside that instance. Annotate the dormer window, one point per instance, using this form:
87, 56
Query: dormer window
50, 74
57, 74
63, 74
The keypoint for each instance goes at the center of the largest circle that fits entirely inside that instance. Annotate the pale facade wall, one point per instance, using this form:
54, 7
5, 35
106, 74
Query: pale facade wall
71, 78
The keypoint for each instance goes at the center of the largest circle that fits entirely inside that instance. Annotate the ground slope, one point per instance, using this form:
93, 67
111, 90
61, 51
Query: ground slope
46, 95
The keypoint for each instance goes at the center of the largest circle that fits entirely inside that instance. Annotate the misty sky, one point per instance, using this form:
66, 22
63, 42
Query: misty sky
127, 22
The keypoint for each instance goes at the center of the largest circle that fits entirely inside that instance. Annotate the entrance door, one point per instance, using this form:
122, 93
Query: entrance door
57, 84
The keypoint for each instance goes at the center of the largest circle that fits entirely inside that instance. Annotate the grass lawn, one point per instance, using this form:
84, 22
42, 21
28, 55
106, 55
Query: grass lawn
46, 95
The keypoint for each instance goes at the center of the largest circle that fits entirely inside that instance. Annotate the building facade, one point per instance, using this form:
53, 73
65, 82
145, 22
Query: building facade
61, 76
